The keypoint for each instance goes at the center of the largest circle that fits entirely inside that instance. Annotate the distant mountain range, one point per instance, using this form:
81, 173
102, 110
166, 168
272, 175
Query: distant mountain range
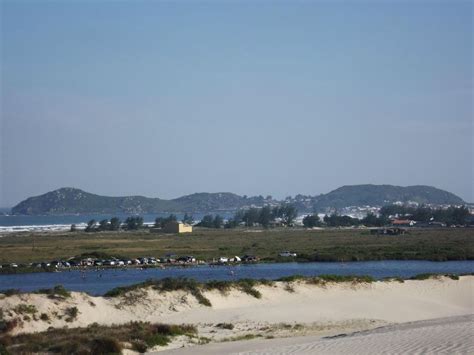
75, 201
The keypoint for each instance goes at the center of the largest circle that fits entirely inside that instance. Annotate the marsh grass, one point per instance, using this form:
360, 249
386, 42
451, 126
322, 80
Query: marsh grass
311, 245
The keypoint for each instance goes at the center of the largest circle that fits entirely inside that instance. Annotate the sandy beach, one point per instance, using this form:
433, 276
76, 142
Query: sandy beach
433, 315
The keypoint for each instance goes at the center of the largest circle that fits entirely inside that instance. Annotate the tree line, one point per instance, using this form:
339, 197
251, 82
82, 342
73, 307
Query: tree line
287, 214
115, 224
450, 216
264, 216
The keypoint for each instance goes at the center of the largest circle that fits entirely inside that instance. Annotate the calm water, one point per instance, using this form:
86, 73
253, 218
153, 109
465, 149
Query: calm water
98, 283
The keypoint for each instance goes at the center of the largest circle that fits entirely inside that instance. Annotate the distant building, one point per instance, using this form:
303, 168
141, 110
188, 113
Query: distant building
177, 227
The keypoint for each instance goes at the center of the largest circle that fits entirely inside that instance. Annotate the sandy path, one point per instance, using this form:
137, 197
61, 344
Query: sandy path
454, 335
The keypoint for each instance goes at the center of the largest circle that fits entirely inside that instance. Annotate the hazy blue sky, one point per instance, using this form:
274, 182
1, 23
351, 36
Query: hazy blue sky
169, 98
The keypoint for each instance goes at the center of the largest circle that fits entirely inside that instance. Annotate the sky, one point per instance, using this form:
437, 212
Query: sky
164, 99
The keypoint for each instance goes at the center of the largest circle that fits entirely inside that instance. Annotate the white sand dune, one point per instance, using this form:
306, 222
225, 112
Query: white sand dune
286, 310
454, 335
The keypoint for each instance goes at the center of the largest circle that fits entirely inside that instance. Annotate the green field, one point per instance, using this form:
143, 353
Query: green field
316, 245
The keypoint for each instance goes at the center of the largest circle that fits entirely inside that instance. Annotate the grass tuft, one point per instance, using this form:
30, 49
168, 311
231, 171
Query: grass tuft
57, 292
96, 339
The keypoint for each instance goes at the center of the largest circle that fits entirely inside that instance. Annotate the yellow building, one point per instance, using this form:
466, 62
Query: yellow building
177, 227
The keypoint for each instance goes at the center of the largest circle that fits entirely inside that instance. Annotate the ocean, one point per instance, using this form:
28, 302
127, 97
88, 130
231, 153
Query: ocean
10, 223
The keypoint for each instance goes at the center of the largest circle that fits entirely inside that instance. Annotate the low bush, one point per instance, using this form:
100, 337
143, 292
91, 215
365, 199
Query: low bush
24, 308
7, 326
97, 339
56, 292
139, 346
347, 278
71, 313
427, 276
292, 278
106, 345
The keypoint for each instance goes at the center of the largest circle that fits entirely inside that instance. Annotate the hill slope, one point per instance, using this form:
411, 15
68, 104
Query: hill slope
380, 195
74, 201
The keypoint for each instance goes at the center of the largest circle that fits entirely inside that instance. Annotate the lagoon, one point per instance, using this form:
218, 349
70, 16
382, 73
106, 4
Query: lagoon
99, 282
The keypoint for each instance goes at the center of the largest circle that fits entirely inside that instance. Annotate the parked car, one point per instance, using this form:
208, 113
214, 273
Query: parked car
249, 259
187, 259
286, 254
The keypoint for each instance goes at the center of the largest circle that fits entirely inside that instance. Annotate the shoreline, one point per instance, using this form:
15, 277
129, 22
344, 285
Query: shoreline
36, 270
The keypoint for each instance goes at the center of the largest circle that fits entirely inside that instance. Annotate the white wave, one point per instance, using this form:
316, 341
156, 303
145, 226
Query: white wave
39, 228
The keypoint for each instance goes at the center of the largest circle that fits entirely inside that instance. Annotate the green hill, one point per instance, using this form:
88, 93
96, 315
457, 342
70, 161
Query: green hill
74, 201
380, 195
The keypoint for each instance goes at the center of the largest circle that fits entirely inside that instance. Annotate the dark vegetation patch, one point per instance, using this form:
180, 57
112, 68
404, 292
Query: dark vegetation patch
57, 292
24, 308
427, 276
322, 279
11, 292
192, 286
95, 339
71, 314
228, 326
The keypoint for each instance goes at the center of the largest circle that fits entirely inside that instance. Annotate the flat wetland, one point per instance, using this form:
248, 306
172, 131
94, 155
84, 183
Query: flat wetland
311, 245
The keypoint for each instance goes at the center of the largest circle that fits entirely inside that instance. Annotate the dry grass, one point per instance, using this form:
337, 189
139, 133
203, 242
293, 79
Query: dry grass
322, 245
95, 339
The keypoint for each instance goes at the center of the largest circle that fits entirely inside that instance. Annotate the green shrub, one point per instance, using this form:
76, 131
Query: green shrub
106, 345
8, 325
44, 317
427, 276
157, 339
97, 339
24, 308
139, 346
346, 278
3, 350
292, 278
247, 286
71, 313
57, 291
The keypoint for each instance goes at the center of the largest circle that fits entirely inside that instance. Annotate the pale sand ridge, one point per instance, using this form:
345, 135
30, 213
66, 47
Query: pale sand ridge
454, 335
284, 310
